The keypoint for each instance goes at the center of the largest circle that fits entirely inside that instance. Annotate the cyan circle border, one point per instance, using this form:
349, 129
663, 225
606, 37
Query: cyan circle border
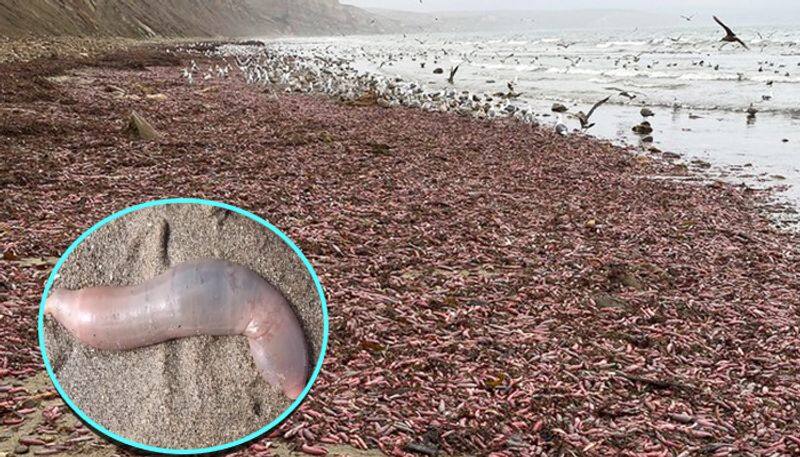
205, 450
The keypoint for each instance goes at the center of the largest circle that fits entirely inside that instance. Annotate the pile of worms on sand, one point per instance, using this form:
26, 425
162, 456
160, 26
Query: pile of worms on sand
493, 287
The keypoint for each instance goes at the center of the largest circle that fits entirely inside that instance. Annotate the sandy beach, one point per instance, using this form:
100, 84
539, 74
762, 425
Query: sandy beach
493, 287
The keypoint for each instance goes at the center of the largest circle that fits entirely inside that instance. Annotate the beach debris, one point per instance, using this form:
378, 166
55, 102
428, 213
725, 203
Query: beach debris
429, 444
438, 71
647, 112
644, 128
558, 108
657, 383
313, 450
422, 449
609, 301
379, 148
140, 128
729, 37
682, 418
452, 223
584, 118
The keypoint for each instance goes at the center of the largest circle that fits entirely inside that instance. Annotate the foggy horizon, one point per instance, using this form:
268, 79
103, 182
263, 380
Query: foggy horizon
744, 12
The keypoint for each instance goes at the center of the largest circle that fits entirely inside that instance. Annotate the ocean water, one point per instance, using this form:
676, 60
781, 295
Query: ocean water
698, 89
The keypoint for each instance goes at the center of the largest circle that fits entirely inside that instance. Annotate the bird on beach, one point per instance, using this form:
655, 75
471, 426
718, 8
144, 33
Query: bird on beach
584, 118
643, 129
561, 127
729, 37
512, 93
751, 112
189, 76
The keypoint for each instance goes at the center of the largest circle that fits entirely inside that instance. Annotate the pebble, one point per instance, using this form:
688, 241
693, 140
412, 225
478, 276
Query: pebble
21, 449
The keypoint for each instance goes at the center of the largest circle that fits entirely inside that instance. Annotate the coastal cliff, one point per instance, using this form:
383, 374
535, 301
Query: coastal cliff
183, 18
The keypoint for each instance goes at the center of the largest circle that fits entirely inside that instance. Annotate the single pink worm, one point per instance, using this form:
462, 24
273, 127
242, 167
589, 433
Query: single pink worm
208, 297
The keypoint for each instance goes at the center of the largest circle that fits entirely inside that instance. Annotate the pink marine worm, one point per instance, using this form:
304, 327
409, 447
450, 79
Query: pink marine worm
207, 297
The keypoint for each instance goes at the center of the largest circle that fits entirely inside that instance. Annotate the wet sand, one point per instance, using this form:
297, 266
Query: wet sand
492, 286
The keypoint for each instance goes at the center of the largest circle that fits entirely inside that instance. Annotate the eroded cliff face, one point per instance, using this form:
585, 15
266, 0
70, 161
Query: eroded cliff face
183, 18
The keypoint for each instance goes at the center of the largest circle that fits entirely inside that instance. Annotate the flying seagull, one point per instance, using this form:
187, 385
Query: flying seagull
729, 37
453, 71
503, 59
688, 18
584, 118
623, 93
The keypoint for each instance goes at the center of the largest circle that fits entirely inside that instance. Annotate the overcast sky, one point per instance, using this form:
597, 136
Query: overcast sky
737, 12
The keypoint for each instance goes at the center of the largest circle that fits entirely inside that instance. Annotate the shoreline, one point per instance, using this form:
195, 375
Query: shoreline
579, 291
757, 152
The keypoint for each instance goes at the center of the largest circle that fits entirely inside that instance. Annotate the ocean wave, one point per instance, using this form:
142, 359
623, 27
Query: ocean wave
609, 44
710, 77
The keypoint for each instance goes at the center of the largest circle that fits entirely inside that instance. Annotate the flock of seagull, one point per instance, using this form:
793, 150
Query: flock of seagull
336, 77
327, 73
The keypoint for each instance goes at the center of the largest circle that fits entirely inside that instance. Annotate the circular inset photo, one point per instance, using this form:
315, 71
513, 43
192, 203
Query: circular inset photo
183, 326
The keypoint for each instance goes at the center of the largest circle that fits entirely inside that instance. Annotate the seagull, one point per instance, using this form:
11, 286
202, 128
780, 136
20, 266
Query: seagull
561, 127
584, 118
503, 59
189, 77
643, 129
751, 112
623, 93
688, 18
453, 71
729, 37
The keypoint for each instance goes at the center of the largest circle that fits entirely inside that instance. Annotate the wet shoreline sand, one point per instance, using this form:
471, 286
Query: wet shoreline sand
492, 286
